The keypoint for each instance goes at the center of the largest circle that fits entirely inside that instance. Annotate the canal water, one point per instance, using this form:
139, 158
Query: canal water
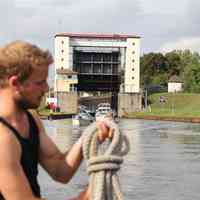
163, 162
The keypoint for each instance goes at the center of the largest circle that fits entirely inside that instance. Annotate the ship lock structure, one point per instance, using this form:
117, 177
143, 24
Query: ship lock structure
98, 62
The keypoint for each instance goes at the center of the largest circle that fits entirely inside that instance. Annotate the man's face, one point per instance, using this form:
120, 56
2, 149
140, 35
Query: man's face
33, 89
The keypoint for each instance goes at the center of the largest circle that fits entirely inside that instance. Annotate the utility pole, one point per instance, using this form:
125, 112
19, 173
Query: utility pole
146, 99
173, 101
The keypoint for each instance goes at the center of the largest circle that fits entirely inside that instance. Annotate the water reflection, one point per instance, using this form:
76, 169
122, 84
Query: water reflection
162, 164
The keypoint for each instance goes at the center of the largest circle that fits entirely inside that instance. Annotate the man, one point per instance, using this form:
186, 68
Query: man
23, 141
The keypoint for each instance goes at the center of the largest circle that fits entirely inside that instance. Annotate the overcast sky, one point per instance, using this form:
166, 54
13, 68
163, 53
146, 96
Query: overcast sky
162, 25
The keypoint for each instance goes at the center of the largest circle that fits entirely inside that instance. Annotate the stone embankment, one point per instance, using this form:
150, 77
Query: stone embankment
167, 118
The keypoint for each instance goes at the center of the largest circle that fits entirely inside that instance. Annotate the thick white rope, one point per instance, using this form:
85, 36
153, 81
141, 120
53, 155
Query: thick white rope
102, 167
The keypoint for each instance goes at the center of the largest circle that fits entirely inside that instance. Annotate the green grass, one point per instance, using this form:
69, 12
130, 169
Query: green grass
176, 105
47, 112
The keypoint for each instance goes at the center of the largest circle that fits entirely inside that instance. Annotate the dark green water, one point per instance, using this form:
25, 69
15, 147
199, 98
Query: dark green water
163, 162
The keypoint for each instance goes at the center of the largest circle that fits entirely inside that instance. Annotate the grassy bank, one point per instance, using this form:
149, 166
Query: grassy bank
46, 113
176, 105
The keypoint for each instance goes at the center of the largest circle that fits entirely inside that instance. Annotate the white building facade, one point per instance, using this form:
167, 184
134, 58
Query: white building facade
126, 46
175, 87
175, 84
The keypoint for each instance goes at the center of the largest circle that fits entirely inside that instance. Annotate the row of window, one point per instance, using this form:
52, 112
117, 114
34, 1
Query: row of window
133, 52
96, 57
62, 50
97, 68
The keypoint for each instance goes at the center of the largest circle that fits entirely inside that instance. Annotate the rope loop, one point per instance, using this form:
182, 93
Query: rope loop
104, 163
102, 166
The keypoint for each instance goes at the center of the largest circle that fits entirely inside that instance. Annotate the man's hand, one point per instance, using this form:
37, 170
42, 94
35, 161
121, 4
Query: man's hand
104, 131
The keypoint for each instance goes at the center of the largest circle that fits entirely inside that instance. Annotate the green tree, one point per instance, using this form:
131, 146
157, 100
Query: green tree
157, 68
191, 73
174, 62
151, 65
160, 79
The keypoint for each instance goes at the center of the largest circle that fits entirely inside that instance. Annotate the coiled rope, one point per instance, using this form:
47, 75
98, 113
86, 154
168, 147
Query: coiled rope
102, 167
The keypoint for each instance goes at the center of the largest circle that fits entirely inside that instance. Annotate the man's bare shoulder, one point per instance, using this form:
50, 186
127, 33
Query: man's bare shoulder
8, 143
13, 182
5, 132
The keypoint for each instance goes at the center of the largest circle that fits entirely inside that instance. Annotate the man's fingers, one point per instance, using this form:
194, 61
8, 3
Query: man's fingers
102, 127
103, 131
111, 132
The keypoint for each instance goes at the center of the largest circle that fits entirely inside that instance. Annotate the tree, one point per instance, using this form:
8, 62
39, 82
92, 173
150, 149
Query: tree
151, 65
191, 74
174, 62
156, 68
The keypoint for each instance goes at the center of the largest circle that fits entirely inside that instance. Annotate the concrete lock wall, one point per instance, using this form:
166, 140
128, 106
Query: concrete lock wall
128, 103
68, 102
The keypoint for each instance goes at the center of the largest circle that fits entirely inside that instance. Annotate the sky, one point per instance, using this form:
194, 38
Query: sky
162, 25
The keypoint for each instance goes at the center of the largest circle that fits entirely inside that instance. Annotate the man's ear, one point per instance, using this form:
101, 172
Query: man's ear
13, 81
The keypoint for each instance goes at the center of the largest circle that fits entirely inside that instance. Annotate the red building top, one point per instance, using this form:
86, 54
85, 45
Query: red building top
98, 36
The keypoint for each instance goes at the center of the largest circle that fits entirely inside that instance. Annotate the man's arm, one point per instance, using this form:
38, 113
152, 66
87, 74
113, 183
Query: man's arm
13, 182
60, 166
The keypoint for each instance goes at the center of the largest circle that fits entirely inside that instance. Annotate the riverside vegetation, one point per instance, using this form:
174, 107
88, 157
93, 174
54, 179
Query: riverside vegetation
177, 107
156, 69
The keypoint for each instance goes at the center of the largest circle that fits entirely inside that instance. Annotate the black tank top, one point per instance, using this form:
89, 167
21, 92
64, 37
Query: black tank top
29, 156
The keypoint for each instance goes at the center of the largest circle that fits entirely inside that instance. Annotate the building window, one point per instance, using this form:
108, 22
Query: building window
97, 57
62, 51
62, 59
132, 77
62, 42
106, 57
133, 52
85, 68
72, 87
133, 69
69, 76
133, 60
107, 69
97, 68
133, 43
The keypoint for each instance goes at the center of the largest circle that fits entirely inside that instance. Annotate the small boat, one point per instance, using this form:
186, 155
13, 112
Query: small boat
82, 119
85, 119
104, 110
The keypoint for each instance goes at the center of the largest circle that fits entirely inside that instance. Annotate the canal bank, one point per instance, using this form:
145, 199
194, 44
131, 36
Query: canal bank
165, 118
177, 107
55, 116
59, 116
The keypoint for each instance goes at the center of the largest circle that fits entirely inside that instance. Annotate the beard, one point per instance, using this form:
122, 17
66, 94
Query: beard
24, 103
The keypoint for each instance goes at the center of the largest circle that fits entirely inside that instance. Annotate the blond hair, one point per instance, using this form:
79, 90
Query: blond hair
20, 58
